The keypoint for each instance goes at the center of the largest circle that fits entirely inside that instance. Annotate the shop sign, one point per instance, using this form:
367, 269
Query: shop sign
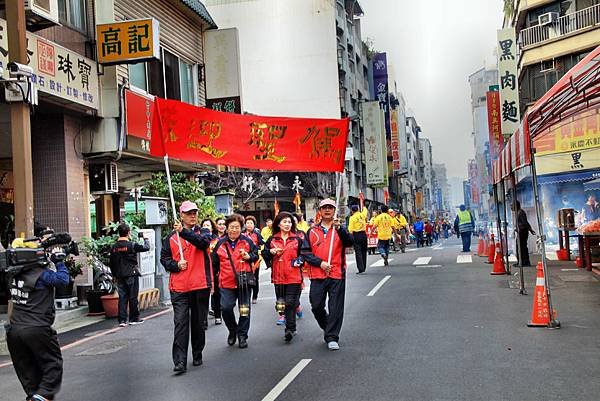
375, 163
222, 68
395, 142
493, 109
573, 134
508, 81
380, 85
7, 193
127, 42
568, 162
139, 112
56, 71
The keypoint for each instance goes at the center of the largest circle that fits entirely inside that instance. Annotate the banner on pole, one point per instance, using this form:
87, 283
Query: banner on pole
495, 130
196, 134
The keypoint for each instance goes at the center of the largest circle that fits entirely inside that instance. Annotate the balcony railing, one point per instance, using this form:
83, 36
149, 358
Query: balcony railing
563, 26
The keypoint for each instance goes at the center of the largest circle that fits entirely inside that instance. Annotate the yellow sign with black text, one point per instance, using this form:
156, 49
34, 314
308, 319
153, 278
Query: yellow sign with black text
127, 42
568, 162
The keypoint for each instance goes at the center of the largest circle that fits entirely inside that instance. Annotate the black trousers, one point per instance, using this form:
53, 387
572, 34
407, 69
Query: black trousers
129, 288
255, 288
190, 310
523, 249
333, 292
37, 359
291, 294
360, 250
215, 300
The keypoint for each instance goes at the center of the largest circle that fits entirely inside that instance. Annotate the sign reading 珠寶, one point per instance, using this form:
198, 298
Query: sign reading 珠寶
508, 81
128, 41
57, 71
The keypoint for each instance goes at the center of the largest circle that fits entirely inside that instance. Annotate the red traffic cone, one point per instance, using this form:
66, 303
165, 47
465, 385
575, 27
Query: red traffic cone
491, 250
540, 314
479, 247
499, 267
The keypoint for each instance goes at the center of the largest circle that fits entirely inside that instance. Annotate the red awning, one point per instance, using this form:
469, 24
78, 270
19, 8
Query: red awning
577, 90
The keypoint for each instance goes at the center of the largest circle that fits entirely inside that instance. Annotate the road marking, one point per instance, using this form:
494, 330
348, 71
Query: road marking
379, 263
569, 270
412, 250
512, 258
464, 259
439, 248
278, 389
423, 260
103, 333
378, 286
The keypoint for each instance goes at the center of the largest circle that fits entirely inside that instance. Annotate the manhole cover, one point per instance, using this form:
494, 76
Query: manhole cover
106, 348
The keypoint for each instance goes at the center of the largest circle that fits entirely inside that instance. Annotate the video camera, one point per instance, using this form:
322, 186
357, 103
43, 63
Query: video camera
37, 252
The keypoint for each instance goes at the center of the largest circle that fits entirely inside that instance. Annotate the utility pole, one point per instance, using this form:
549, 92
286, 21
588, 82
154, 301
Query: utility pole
20, 124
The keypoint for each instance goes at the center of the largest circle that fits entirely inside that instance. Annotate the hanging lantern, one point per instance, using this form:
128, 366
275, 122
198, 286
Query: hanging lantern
244, 310
280, 305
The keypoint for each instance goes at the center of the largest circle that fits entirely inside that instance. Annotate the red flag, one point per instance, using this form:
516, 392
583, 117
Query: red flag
386, 196
201, 135
361, 199
276, 207
297, 201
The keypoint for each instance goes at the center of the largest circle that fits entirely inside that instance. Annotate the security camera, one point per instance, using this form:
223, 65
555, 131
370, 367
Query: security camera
17, 70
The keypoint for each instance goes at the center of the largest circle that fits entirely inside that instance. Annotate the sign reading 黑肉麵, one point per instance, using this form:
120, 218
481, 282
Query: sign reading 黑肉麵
128, 41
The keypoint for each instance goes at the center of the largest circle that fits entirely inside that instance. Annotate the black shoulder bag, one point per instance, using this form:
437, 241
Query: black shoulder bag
243, 279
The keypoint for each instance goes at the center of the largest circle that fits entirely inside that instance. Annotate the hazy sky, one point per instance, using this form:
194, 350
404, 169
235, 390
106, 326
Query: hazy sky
434, 46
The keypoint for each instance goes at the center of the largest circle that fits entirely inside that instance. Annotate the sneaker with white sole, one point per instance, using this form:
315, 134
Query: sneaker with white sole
218, 320
333, 346
123, 324
134, 322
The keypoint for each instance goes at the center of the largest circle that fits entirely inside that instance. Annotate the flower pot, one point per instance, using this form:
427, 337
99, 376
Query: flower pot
94, 302
64, 291
110, 303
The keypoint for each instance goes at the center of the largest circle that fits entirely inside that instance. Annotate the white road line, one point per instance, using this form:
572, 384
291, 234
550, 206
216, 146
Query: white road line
412, 250
512, 258
378, 286
423, 260
464, 259
278, 389
438, 248
379, 263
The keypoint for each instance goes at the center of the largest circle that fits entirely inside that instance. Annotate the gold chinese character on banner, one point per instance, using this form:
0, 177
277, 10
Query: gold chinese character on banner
265, 142
322, 143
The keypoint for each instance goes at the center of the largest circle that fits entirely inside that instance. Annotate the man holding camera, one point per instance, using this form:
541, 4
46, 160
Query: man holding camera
123, 265
32, 343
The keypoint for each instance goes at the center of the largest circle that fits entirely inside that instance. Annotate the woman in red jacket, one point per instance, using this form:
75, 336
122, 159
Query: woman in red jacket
282, 251
253, 233
234, 254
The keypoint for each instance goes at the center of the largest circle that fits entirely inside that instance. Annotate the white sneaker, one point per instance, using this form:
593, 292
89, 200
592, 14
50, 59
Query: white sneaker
333, 346
122, 324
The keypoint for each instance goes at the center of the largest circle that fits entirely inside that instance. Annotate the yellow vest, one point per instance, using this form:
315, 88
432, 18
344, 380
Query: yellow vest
358, 221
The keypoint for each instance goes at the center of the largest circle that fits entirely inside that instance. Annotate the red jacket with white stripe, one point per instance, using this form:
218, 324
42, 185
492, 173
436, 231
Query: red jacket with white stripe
283, 272
221, 262
316, 250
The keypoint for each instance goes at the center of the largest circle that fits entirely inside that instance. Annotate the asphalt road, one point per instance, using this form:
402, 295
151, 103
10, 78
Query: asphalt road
438, 330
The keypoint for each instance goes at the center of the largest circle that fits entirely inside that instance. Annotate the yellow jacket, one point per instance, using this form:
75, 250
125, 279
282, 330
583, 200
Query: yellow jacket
358, 221
402, 223
303, 225
385, 226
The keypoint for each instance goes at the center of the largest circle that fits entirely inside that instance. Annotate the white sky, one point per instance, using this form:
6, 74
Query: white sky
434, 46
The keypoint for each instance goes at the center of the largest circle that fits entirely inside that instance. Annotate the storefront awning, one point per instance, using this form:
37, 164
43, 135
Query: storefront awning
568, 177
593, 185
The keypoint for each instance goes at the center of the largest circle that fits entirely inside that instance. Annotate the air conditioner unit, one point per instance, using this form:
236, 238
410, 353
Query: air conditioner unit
41, 14
548, 18
104, 178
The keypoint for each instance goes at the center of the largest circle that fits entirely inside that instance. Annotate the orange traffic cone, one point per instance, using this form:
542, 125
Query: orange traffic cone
479, 247
499, 262
540, 315
486, 241
491, 251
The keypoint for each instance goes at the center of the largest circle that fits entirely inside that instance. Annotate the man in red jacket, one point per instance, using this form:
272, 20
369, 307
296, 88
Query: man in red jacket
190, 283
327, 271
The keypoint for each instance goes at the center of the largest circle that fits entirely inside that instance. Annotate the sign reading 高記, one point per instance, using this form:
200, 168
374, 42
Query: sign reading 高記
128, 41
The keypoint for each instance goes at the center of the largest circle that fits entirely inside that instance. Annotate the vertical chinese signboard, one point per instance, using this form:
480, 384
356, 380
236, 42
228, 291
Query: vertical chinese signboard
222, 68
395, 141
380, 85
139, 112
128, 41
57, 71
375, 164
493, 109
508, 81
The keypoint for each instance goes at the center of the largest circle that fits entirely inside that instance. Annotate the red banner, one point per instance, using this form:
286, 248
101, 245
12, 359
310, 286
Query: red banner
493, 109
200, 135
